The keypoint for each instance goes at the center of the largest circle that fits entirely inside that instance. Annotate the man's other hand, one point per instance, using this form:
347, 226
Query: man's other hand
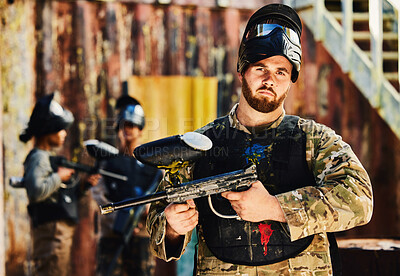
256, 204
181, 218
65, 173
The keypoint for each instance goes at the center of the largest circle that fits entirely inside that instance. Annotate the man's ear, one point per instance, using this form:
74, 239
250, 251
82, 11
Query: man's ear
240, 76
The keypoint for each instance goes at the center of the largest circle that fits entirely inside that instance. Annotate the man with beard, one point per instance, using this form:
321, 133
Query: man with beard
310, 183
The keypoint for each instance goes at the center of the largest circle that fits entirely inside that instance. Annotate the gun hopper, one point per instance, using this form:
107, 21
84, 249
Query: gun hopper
173, 152
100, 150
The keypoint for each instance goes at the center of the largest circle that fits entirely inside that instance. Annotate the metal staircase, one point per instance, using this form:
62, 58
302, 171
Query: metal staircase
363, 37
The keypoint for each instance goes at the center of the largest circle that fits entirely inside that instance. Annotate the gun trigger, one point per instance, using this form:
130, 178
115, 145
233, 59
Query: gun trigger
242, 188
219, 197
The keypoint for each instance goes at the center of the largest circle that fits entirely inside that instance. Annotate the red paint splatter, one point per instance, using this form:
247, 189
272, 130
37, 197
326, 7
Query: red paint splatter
266, 233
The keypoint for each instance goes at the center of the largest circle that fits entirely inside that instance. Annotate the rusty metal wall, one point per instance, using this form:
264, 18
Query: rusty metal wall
2, 225
86, 50
17, 50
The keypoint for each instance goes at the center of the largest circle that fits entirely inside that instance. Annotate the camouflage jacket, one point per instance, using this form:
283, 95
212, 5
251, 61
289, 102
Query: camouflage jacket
341, 200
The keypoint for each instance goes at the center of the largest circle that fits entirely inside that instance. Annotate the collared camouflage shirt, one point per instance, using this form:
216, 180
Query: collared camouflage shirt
341, 200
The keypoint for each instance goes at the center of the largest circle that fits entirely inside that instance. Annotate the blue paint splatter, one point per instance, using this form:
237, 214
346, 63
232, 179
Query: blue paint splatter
255, 153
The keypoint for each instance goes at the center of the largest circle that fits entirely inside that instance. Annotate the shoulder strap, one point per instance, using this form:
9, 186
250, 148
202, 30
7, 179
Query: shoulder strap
222, 120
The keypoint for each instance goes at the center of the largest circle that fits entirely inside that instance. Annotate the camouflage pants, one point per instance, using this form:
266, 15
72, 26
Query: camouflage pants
52, 244
134, 259
270, 270
215, 268
314, 261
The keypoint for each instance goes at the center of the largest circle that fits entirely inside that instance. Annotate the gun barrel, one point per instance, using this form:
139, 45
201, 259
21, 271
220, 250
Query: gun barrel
113, 175
111, 207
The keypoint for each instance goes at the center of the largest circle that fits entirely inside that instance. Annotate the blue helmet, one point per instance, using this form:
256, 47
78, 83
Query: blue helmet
130, 111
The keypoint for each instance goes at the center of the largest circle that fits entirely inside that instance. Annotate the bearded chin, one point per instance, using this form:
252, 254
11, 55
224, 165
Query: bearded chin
263, 105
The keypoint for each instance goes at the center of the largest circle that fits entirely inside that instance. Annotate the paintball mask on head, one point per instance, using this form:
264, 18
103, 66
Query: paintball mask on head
47, 117
273, 30
131, 112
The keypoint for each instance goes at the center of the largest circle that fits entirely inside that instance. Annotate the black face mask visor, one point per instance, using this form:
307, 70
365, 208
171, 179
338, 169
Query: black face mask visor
266, 40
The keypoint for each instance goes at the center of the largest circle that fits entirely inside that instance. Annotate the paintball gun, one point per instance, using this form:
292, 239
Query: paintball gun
98, 150
175, 152
61, 161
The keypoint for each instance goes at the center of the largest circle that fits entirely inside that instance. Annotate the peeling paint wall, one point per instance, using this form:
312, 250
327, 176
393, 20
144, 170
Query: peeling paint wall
86, 50
17, 57
2, 225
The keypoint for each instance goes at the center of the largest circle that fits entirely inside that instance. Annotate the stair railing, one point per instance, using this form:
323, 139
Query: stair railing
396, 4
367, 74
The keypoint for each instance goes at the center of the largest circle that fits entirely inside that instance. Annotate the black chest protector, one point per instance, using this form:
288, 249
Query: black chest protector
279, 155
140, 178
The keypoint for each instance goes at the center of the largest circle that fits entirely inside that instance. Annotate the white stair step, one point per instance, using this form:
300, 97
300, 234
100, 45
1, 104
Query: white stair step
387, 55
391, 76
366, 35
360, 16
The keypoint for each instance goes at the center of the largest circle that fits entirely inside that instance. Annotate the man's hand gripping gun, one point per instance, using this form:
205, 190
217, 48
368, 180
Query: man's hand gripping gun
174, 153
